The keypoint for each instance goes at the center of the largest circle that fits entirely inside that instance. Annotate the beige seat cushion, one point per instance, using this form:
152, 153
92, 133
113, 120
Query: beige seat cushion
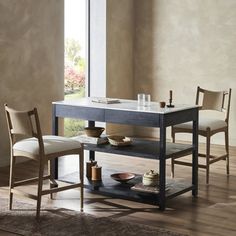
204, 123
52, 144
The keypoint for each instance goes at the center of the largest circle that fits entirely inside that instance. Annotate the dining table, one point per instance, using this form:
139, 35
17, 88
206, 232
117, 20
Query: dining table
160, 148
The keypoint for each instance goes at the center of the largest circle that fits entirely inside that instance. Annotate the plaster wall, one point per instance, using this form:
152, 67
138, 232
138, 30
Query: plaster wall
120, 35
31, 60
182, 44
119, 55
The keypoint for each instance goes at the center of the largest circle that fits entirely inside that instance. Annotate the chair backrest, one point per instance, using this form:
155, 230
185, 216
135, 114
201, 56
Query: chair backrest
24, 123
214, 100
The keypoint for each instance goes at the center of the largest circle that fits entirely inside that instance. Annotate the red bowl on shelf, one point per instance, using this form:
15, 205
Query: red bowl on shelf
122, 177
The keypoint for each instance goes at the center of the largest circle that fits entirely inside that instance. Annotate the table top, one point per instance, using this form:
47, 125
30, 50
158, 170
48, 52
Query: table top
124, 105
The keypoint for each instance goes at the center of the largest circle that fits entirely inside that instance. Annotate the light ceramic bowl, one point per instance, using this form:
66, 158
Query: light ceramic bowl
94, 131
122, 177
116, 140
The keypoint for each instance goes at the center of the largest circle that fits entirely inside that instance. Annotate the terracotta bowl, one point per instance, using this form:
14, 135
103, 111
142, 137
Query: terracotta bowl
122, 177
94, 131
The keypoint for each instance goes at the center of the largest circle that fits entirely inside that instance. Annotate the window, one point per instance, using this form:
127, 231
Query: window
75, 63
75, 13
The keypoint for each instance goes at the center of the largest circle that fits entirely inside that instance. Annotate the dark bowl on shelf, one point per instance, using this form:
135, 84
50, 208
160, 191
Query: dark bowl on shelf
122, 177
94, 131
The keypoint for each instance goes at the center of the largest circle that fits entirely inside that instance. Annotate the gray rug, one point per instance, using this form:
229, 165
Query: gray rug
60, 222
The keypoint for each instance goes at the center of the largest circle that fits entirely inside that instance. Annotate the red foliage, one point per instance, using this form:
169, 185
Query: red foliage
73, 78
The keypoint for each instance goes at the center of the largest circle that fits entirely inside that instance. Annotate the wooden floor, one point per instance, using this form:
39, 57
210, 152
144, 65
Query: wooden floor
212, 213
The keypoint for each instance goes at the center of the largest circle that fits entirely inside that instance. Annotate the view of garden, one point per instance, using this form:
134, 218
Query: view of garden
74, 83
74, 60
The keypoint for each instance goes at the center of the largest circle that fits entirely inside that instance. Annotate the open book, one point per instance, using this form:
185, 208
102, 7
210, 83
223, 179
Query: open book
106, 100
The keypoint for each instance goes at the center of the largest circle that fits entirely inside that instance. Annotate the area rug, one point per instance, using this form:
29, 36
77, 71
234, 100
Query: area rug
64, 222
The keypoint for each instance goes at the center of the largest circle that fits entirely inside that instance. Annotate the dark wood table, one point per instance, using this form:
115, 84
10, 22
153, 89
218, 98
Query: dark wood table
127, 112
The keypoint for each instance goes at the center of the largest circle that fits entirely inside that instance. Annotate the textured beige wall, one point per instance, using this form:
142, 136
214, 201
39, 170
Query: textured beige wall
119, 54
120, 33
31, 59
182, 44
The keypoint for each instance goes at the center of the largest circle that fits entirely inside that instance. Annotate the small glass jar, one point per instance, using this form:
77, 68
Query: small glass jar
144, 100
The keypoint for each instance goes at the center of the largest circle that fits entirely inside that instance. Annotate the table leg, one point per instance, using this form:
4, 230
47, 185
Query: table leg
91, 153
55, 130
162, 166
195, 157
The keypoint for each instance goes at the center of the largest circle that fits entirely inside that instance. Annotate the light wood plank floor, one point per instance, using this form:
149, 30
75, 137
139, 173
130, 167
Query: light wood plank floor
212, 213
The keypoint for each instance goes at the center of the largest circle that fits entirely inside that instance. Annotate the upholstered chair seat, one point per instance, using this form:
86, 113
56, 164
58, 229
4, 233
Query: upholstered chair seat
204, 124
52, 145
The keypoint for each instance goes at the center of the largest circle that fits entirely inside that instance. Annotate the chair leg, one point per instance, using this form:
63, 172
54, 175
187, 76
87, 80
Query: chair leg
40, 187
172, 168
11, 180
173, 135
227, 150
208, 143
172, 160
81, 171
50, 179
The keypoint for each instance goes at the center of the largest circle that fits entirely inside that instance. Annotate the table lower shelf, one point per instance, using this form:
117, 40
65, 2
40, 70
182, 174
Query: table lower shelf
112, 188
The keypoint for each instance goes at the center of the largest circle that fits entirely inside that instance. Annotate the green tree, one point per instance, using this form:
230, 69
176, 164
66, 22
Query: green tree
72, 51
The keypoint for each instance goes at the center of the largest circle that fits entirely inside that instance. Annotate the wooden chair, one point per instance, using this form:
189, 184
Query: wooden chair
208, 100
26, 140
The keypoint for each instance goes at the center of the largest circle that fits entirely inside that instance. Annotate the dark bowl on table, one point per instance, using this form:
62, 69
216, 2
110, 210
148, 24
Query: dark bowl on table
94, 131
122, 177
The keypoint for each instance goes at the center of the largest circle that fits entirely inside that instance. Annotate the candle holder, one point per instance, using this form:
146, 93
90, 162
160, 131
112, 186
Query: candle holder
170, 104
96, 173
89, 166
170, 99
